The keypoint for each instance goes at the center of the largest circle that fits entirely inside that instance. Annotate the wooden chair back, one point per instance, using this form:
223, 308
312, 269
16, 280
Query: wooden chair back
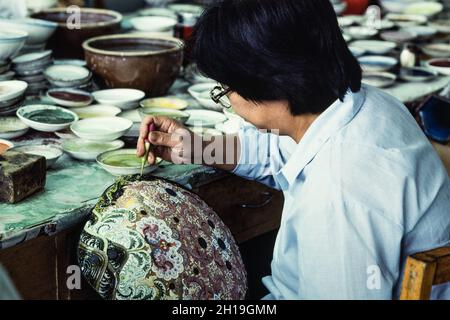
423, 270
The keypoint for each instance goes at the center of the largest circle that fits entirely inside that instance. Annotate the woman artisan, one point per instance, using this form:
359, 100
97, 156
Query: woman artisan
363, 186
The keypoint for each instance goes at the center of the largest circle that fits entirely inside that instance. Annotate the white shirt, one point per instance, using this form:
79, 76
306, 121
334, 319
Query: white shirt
363, 189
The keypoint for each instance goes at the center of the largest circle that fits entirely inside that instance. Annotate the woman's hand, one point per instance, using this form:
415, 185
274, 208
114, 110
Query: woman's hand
170, 141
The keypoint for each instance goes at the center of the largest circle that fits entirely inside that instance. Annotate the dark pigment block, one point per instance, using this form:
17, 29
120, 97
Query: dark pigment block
21, 175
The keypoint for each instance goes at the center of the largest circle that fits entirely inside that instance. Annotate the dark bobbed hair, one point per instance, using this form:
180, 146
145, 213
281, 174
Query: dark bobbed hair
267, 50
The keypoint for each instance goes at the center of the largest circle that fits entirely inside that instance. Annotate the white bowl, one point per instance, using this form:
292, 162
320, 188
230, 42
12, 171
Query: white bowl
404, 20
114, 163
437, 50
201, 93
379, 79
87, 150
423, 32
441, 25
361, 32
426, 8
417, 74
11, 42
374, 46
204, 118
12, 89
38, 30
12, 127
165, 102
124, 99
377, 63
153, 24
231, 126
61, 75
206, 132
50, 153
356, 51
97, 110
7, 75
101, 128
395, 6
442, 70
37, 5
47, 117
30, 60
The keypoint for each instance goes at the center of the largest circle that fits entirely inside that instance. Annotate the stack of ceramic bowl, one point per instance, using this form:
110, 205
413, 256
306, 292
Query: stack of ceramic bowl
10, 44
29, 67
39, 31
68, 76
11, 96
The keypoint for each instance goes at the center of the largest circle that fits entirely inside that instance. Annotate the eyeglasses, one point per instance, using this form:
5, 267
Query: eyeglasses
219, 95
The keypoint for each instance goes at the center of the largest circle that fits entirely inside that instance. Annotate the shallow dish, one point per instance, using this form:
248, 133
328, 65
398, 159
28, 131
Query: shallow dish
67, 75
101, 128
124, 99
441, 65
380, 24
32, 79
135, 117
422, 32
379, 79
417, 74
404, 20
8, 75
71, 62
5, 145
70, 97
46, 118
181, 8
206, 132
205, 118
160, 12
153, 24
438, 50
11, 42
12, 89
123, 162
38, 30
361, 32
375, 46
441, 25
426, 8
51, 154
165, 103
12, 109
377, 63
97, 110
356, 51
398, 36
230, 126
12, 127
202, 93
89, 150
178, 115
31, 60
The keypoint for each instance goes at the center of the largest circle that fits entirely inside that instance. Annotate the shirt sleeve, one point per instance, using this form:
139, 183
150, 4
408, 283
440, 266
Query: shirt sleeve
262, 155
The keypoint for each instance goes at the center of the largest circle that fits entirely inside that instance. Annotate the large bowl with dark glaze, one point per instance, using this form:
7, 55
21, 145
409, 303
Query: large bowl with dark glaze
67, 40
147, 63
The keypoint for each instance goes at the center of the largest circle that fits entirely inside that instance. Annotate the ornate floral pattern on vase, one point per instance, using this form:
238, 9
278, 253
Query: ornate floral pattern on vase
152, 239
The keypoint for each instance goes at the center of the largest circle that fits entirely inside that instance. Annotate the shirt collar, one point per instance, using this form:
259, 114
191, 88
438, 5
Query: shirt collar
326, 125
